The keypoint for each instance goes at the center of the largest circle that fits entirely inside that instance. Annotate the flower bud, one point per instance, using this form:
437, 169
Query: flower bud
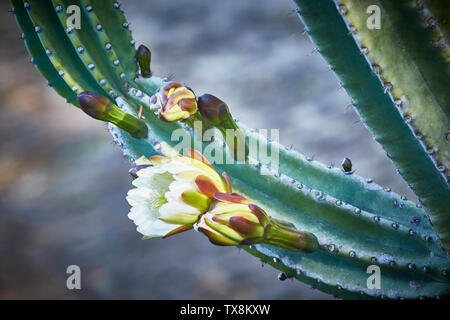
347, 165
215, 112
233, 220
143, 57
99, 107
175, 102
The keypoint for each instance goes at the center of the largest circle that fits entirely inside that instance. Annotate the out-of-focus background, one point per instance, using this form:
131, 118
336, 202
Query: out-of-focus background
63, 183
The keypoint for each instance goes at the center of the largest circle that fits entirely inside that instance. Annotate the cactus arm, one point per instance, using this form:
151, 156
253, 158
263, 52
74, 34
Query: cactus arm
350, 238
37, 52
440, 11
62, 54
303, 274
351, 273
345, 279
91, 46
97, 67
377, 109
337, 226
413, 63
350, 188
353, 237
435, 16
117, 29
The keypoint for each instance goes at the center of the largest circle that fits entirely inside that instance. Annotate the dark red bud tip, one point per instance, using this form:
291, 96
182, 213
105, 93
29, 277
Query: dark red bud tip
347, 165
143, 51
143, 57
94, 104
213, 109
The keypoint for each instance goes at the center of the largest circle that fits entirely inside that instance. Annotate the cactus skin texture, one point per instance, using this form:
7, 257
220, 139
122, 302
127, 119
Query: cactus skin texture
357, 223
406, 105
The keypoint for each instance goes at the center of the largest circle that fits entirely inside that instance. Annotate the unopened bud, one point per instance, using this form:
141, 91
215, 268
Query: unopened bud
347, 165
216, 113
99, 107
175, 102
144, 57
233, 220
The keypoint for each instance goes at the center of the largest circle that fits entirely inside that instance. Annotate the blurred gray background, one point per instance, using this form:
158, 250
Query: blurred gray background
63, 183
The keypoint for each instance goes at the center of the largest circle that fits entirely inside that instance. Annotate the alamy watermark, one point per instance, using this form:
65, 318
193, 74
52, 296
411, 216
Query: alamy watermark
74, 18
374, 20
74, 280
374, 280
263, 149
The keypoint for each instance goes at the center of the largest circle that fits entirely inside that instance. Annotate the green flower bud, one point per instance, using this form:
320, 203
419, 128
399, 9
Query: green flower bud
144, 57
99, 107
233, 220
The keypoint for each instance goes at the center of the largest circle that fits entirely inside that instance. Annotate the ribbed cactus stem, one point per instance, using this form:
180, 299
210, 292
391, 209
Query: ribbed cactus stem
417, 76
355, 222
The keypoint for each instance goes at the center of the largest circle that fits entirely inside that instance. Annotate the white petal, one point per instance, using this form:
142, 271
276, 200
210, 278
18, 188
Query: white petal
157, 228
141, 214
177, 188
149, 171
177, 166
139, 196
177, 207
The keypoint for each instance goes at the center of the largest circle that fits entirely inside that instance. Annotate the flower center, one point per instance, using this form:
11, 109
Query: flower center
158, 200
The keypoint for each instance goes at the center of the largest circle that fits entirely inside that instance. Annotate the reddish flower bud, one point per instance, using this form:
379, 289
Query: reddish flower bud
99, 107
215, 111
233, 220
176, 102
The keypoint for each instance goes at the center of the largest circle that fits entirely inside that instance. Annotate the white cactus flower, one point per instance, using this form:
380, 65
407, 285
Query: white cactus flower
171, 193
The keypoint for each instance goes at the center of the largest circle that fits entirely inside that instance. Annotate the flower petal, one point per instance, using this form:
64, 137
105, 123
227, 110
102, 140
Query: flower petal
206, 186
156, 228
231, 198
197, 200
194, 154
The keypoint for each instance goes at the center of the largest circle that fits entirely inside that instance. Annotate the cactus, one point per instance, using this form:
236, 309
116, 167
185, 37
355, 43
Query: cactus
397, 82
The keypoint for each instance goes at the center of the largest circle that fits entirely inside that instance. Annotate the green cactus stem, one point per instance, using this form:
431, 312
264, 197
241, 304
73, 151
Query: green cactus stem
345, 233
411, 70
357, 223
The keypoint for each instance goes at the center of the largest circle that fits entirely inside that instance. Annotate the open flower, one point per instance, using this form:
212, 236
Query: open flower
172, 192
175, 102
234, 220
